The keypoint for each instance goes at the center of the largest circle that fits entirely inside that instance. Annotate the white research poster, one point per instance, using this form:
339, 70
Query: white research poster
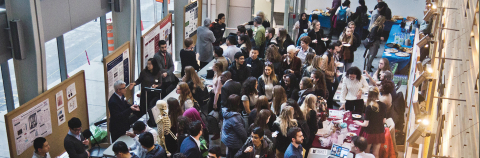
33, 123
191, 19
118, 69
151, 39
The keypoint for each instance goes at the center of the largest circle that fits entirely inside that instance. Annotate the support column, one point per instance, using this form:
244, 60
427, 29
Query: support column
62, 61
302, 6
178, 26
121, 22
272, 10
164, 8
285, 16
7, 86
103, 32
31, 75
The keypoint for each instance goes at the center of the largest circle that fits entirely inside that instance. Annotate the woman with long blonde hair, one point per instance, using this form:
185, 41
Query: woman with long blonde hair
191, 77
374, 38
279, 97
284, 122
217, 85
284, 40
267, 81
350, 44
272, 55
186, 99
309, 112
316, 65
375, 117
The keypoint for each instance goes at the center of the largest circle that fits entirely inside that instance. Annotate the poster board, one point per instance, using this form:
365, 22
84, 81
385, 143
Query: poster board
117, 66
160, 31
26, 121
192, 20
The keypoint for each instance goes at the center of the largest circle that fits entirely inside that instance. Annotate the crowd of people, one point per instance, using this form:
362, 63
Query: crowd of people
261, 76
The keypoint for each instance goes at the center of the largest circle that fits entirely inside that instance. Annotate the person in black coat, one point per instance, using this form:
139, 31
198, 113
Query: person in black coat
189, 146
229, 87
256, 65
188, 56
218, 28
120, 111
165, 63
316, 35
74, 143
240, 71
290, 84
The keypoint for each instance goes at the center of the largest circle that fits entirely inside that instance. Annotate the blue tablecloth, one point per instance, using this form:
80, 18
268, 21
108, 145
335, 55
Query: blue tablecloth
402, 61
324, 20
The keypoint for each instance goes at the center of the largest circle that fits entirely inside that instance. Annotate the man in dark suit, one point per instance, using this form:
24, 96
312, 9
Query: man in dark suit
229, 87
165, 62
74, 143
120, 111
191, 145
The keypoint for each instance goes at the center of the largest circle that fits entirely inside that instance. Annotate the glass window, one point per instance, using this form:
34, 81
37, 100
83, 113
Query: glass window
83, 51
53, 67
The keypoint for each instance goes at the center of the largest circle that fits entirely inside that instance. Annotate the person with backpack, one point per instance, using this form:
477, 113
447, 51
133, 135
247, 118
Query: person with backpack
343, 12
360, 18
197, 88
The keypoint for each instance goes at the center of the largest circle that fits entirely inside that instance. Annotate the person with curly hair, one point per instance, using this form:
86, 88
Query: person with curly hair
249, 94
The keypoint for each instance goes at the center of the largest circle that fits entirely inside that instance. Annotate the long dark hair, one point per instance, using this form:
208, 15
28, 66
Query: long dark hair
155, 68
261, 120
293, 82
303, 23
174, 110
248, 86
320, 84
246, 40
355, 71
233, 103
183, 125
331, 49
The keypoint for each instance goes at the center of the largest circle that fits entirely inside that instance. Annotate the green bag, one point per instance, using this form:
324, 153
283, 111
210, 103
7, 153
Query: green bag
98, 133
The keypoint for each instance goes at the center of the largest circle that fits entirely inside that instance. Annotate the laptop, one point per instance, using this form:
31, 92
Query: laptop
338, 151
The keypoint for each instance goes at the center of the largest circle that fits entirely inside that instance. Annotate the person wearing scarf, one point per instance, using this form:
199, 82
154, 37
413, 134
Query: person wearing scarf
302, 24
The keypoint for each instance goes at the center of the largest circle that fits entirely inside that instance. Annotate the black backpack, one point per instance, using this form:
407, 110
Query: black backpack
362, 20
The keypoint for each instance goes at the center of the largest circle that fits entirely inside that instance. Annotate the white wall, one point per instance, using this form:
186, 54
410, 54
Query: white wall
279, 6
399, 7
262, 5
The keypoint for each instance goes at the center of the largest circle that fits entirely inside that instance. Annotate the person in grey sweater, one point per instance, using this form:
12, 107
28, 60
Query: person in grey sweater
205, 38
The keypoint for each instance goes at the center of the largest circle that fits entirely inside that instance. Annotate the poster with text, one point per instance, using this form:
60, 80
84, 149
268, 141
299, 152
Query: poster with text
71, 91
161, 31
33, 123
191, 19
59, 99
118, 69
72, 104
61, 116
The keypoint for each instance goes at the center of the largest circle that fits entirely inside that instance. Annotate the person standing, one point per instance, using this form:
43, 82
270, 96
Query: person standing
240, 71
220, 58
269, 40
232, 48
218, 29
283, 41
375, 117
302, 25
119, 109
342, 15
295, 149
359, 145
350, 43
291, 61
316, 35
256, 144
374, 39
229, 87
188, 57
280, 127
255, 64
304, 48
332, 11
191, 145
234, 133
74, 143
353, 87
165, 62
264, 23
259, 35
41, 148
267, 81
330, 69
204, 46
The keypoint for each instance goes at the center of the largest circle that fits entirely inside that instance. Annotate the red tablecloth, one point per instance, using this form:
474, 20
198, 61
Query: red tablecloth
348, 121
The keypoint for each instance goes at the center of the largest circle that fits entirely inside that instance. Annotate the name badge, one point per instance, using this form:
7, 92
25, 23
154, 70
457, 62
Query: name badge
223, 29
249, 65
156, 80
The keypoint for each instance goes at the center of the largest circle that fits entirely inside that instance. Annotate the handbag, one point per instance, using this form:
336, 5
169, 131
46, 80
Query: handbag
367, 43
